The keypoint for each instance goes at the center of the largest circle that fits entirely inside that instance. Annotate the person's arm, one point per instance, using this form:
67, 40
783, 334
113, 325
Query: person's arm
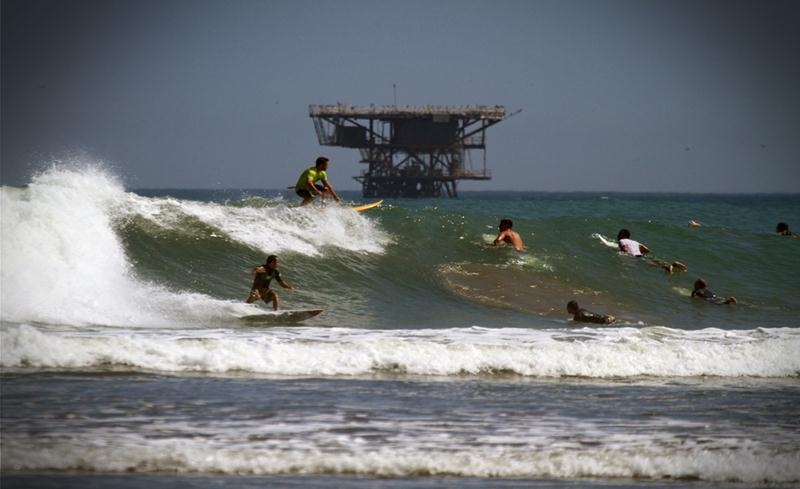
284, 284
330, 189
258, 269
644, 249
313, 188
500, 237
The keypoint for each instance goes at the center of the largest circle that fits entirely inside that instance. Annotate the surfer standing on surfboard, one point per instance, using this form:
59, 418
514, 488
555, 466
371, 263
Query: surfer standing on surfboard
307, 184
264, 275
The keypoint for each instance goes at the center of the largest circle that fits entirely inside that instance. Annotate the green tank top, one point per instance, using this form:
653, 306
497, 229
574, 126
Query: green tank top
314, 174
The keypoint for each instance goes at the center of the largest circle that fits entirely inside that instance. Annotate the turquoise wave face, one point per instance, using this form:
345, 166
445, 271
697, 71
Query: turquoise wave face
183, 256
431, 263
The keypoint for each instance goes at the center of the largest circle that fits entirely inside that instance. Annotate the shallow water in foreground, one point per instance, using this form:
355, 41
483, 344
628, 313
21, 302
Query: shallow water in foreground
404, 426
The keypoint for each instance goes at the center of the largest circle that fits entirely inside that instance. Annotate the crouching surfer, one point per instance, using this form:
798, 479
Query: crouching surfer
263, 276
307, 187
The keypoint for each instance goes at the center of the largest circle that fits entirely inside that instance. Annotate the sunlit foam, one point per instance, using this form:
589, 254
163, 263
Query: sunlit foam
586, 352
273, 229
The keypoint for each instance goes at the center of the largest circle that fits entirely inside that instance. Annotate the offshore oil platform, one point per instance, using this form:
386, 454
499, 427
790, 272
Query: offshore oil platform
411, 151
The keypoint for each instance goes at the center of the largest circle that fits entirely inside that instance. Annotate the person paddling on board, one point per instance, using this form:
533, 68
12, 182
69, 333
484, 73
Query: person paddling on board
783, 230
583, 316
702, 292
508, 235
263, 276
637, 249
307, 184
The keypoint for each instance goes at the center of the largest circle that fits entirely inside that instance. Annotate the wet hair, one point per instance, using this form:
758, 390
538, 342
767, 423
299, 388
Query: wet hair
271, 258
782, 227
321, 161
699, 284
572, 307
506, 222
623, 234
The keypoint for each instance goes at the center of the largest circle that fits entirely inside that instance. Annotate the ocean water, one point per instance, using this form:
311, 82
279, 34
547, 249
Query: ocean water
439, 360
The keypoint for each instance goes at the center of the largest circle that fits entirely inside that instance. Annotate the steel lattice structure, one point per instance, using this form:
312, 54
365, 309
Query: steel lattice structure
411, 151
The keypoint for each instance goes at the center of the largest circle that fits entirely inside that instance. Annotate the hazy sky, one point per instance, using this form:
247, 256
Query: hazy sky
687, 96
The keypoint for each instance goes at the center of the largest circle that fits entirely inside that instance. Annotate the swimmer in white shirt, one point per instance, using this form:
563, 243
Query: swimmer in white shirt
635, 248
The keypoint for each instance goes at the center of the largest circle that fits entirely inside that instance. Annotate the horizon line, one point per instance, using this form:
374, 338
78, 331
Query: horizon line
636, 192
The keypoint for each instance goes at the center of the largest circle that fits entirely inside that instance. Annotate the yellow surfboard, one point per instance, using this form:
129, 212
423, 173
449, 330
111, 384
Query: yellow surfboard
361, 208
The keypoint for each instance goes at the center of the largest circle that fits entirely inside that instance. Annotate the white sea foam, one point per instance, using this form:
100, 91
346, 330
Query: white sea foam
657, 457
273, 229
62, 260
593, 353
64, 263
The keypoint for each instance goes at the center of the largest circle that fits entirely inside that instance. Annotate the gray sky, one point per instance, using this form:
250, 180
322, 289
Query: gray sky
686, 96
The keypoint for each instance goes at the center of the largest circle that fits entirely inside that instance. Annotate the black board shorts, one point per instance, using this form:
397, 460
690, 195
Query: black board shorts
306, 194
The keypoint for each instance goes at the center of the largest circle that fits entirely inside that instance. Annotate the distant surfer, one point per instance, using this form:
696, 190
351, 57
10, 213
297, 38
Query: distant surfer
783, 229
263, 276
508, 235
307, 185
637, 249
583, 316
702, 292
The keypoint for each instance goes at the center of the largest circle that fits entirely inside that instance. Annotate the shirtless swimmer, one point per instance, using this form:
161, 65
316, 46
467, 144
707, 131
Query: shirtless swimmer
508, 235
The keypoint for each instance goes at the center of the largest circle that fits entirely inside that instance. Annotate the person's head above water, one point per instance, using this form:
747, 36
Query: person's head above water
623, 234
572, 307
699, 284
506, 224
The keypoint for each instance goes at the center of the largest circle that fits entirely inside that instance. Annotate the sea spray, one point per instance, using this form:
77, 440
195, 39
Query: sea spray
64, 260
274, 227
